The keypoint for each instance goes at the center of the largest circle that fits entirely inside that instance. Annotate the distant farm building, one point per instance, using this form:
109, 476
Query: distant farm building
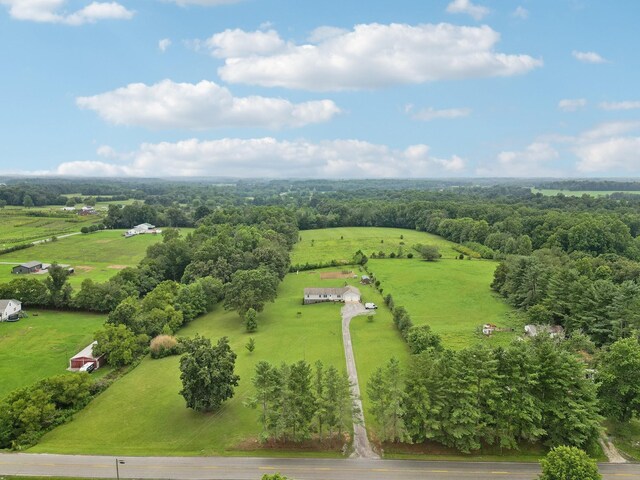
488, 328
347, 294
69, 209
9, 309
365, 280
86, 356
141, 229
87, 211
29, 267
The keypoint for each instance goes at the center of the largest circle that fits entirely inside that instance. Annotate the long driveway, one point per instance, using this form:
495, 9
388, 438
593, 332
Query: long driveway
247, 468
361, 446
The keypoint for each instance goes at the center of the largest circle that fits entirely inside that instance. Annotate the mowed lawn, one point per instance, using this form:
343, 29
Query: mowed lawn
40, 346
340, 244
97, 256
143, 413
452, 296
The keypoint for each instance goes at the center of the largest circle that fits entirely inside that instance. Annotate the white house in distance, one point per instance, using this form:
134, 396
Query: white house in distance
142, 228
347, 294
9, 309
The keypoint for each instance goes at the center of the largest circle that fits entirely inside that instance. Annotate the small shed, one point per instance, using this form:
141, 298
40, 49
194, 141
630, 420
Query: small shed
28, 267
365, 280
488, 328
86, 356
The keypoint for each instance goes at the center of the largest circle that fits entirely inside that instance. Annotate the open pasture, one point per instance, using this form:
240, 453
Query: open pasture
17, 228
452, 296
97, 255
340, 244
142, 413
40, 346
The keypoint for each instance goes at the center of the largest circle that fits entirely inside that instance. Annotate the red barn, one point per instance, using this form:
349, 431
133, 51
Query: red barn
86, 356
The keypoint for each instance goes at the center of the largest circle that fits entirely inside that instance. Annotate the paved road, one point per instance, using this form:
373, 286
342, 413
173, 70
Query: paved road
361, 446
225, 468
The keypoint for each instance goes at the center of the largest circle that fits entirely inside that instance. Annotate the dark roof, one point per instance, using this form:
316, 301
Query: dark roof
31, 264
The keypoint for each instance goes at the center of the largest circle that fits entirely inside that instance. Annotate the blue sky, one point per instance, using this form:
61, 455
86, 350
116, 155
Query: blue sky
337, 89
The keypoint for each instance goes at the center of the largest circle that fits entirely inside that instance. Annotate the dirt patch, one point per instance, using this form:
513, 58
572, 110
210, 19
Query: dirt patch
333, 275
117, 267
335, 444
102, 241
84, 268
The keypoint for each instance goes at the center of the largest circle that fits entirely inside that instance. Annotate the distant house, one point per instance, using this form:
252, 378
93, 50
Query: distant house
365, 280
552, 330
142, 228
86, 356
9, 309
488, 328
347, 294
69, 209
87, 211
29, 267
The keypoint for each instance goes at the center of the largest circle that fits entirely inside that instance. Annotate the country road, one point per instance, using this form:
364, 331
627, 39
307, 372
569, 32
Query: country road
241, 468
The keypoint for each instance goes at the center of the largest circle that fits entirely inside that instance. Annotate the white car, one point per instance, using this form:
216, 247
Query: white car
370, 306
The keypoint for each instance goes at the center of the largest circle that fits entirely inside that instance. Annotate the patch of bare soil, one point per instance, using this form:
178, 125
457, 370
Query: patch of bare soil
335, 444
84, 268
117, 267
102, 241
333, 275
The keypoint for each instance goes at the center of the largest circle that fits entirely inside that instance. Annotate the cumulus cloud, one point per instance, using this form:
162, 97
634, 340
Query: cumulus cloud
430, 113
204, 3
477, 12
588, 57
534, 160
571, 105
625, 105
613, 154
367, 57
164, 44
200, 106
521, 12
268, 157
52, 11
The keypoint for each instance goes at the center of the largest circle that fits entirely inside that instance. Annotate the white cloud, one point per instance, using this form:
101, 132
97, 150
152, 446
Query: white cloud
533, 161
612, 154
605, 130
521, 12
588, 57
164, 44
430, 113
478, 12
52, 11
268, 157
571, 105
201, 106
625, 105
369, 56
238, 43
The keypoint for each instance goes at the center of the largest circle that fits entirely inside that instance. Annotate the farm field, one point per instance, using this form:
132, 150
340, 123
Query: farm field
16, 227
579, 193
452, 296
40, 346
142, 413
97, 256
341, 243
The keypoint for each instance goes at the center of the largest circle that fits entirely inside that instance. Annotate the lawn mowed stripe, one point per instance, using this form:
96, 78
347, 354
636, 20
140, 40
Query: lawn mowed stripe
40, 346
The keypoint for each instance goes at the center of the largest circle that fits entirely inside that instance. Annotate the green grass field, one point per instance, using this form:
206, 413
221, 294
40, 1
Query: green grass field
452, 296
97, 256
142, 413
341, 243
16, 227
579, 193
40, 346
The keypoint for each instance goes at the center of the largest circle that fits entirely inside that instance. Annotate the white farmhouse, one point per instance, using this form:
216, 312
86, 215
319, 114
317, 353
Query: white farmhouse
347, 294
9, 309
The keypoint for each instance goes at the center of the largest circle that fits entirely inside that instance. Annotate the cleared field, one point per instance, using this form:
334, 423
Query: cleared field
341, 243
452, 296
142, 413
579, 193
40, 346
97, 256
17, 228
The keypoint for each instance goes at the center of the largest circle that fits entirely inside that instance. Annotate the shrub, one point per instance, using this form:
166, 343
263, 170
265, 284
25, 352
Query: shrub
409, 255
164, 346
